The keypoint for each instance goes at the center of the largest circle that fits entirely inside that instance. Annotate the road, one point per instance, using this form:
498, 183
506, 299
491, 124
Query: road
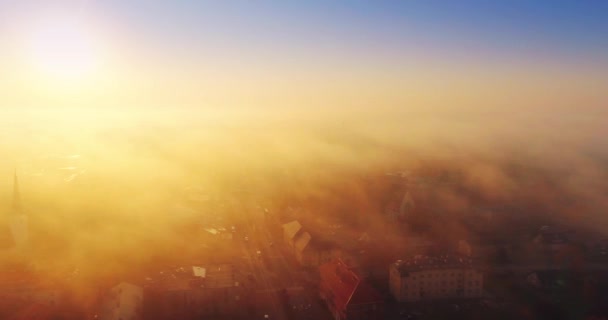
274, 269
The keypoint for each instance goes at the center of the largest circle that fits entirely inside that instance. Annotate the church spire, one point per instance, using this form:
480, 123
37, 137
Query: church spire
16, 195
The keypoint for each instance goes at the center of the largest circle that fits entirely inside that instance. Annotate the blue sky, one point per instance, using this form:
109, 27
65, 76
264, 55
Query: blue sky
516, 27
566, 27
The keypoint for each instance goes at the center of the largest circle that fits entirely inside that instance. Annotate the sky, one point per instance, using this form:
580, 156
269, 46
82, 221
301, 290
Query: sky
417, 55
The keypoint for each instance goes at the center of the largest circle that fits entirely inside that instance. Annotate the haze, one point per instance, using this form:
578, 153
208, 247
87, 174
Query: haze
285, 104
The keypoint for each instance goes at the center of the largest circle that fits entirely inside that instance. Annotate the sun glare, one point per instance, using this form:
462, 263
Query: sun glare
63, 51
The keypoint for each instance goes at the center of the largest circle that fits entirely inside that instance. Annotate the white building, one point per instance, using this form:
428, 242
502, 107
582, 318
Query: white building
432, 278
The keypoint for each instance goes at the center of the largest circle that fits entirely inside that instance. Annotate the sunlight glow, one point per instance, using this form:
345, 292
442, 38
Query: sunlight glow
62, 50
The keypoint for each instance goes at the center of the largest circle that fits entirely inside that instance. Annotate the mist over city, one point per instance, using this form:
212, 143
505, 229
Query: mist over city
318, 161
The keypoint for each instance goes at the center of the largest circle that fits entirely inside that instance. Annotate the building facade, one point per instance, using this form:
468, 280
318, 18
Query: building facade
433, 278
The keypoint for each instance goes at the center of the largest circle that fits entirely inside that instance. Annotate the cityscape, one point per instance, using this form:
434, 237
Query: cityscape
286, 160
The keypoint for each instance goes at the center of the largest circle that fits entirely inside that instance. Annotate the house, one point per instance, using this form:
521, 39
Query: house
122, 302
290, 230
309, 251
347, 295
435, 277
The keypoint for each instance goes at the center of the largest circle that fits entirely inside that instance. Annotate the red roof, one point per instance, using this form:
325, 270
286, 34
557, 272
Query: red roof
344, 287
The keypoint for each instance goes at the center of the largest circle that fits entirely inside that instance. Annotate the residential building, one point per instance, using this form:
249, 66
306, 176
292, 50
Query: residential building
347, 295
308, 251
290, 230
435, 277
195, 292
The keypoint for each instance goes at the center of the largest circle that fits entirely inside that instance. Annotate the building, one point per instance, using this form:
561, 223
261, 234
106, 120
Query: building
290, 230
35, 312
24, 288
347, 295
465, 248
558, 246
553, 238
14, 226
416, 204
309, 251
122, 302
195, 292
597, 250
435, 277
219, 234
546, 280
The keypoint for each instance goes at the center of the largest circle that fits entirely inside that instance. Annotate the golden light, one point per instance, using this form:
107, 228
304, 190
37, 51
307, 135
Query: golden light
62, 50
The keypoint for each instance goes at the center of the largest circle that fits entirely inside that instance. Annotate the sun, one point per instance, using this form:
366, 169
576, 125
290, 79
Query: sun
63, 50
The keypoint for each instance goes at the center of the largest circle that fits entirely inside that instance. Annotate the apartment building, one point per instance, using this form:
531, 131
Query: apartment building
435, 277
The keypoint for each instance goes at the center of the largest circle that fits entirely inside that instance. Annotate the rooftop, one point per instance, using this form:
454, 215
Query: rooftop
345, 285
292, 228
186, 278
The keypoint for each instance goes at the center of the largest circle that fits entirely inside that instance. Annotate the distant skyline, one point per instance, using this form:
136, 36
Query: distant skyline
389, 54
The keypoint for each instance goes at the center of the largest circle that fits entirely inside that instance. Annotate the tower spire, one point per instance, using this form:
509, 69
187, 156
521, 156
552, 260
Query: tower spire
16, 194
